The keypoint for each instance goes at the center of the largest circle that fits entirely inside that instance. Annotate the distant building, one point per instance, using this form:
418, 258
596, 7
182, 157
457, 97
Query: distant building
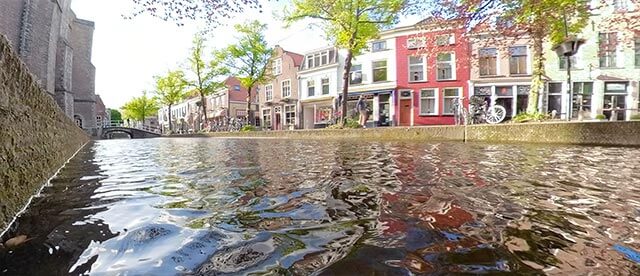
56, 47
279, 98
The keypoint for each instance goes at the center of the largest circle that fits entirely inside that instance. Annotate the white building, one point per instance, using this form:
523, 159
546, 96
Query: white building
183, 116
604, 73
320, 83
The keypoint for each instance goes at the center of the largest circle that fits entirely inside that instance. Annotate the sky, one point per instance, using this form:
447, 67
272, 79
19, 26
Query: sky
127, 53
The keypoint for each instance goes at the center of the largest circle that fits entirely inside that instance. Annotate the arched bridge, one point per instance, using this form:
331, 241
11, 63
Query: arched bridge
134, 131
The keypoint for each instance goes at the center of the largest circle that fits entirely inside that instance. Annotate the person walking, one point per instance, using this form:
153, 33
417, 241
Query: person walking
361, 107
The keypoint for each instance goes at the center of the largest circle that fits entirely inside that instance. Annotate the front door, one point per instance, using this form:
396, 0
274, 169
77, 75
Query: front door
277, 122
405, 112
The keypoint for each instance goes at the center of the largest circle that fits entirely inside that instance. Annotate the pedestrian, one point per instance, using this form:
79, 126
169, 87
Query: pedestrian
361, 107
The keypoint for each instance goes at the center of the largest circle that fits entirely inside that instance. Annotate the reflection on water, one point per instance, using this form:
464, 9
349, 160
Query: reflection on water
225, 206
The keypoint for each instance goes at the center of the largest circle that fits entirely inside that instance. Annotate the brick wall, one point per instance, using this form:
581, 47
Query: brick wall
36, 138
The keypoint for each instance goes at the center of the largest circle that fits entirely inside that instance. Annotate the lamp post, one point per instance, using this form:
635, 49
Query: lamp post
567, 49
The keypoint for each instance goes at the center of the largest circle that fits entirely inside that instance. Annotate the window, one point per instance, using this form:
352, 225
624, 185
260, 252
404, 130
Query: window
379, 70
582, 92
607, 44
428, 102
266, 117
311, 89
416, 42
236, 87
268, 92
637, 47
620, 5
445, 66
277, 66
555, 97
289, 114
446, 39
562, 62
450, 96
417, 68
286, 88
320, 58
325, 86
379, 46
355, 74
518, 60
488, 62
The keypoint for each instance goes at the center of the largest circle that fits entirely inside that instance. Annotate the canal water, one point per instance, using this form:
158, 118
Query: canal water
341, 207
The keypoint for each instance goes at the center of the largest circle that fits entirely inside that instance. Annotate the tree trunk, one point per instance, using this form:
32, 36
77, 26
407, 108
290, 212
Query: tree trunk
345, 85
249, 112
537, 83
203, 103
170, 124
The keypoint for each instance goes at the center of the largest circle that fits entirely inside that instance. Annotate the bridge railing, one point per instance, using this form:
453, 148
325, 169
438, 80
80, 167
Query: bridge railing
130, 124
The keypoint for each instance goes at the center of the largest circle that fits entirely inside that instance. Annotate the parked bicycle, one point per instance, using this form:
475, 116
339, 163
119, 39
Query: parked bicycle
482, 112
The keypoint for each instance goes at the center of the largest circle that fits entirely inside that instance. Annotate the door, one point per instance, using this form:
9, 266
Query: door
277, 125
405, 112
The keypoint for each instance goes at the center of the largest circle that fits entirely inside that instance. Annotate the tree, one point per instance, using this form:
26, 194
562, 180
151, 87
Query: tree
351, 23
115, 115
204, 75
248, 58
210, 11
140, 108
170, 89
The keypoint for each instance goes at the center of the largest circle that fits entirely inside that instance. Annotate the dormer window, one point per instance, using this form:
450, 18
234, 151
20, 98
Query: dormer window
321, 58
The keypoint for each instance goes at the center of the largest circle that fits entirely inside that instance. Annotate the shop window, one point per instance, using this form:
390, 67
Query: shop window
277, 66
582, 92
555, 97
268, 92
325, 86
286, 88
607, 46
428, 102
266, 117
379, 70
446, 65
518, 60
615, 94
417, 68
355, 75
450, 95
289, 114
323, 114
379, 46
488, 62
311, 88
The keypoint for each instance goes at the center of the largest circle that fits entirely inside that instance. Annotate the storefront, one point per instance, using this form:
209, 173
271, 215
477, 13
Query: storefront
279, 116
513, 97
317, 113
380, 104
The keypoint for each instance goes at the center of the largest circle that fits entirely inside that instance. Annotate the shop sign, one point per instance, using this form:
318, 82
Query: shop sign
356, 97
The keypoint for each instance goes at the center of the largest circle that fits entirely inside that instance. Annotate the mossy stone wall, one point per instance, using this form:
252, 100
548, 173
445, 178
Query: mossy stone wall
36, 137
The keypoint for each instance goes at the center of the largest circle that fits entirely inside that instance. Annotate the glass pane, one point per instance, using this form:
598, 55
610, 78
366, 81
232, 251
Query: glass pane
555, 87
356, 68
451, 92
427, 93
488, 52
415, 60
518, 51
379, 64
444, 57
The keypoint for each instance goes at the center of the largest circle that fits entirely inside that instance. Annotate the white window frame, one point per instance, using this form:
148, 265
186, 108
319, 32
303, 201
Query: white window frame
452, 62
277, 66
373, 69
264, 114
293, 111
378, 42
268, 92
526, 60
435, 100
445, 98
352, 73
311, 83
424, 68
497, 61
283, 91
445, 39
328, 84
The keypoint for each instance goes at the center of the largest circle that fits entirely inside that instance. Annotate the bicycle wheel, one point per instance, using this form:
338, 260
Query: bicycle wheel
496, 114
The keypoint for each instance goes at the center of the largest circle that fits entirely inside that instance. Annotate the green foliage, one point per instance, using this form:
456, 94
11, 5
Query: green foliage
351, 123
249, 57
205, 74
600, 117
115, 115
530, 117
140, 108
170, 88
247, 128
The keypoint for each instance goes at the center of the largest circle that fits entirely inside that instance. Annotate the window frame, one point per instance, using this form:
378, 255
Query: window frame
517, 57
265, 115
445, 97
416, 42
607, 53
444, 39
373, 70
451, 62
268, 92
375, 49
355, 71
435, 101
311, 83
637, 51
424, 68
482, 57
322, 85
277, 66
289, 120
282, 88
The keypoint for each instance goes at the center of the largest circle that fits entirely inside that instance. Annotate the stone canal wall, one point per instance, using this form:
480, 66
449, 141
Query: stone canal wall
578, 133
36, 137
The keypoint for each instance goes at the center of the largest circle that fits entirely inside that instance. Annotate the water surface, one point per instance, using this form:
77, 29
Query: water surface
273, 207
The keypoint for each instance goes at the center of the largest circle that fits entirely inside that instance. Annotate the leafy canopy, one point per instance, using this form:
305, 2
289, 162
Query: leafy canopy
140, 108
170, 88
204, 75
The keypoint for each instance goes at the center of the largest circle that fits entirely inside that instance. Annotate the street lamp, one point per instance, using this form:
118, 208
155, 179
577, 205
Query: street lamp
567, 49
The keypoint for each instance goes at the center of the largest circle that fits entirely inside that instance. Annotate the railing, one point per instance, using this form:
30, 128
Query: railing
130, 124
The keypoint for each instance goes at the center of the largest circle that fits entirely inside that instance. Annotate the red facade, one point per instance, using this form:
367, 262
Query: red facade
431, 92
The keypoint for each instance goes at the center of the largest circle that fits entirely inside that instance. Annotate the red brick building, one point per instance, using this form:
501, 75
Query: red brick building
433, 63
